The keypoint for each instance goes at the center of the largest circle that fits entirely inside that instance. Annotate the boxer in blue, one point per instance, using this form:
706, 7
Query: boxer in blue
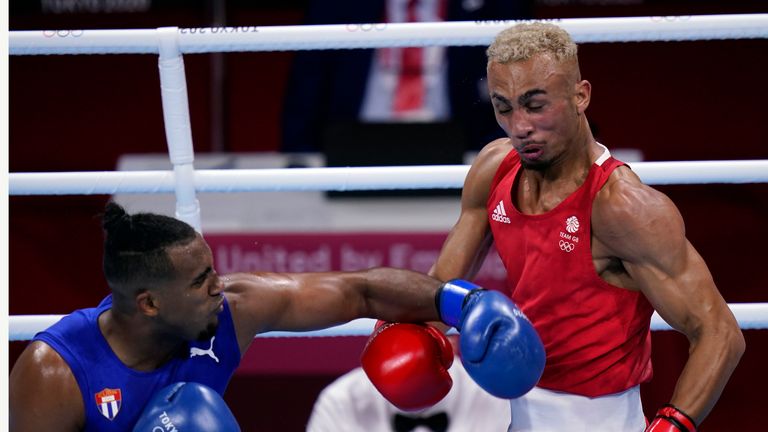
171, 318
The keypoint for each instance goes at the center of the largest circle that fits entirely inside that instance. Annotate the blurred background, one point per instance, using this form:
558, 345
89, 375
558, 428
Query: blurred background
651, 101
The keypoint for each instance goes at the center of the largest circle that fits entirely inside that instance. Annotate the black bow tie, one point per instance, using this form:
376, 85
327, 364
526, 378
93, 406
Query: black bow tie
437, 422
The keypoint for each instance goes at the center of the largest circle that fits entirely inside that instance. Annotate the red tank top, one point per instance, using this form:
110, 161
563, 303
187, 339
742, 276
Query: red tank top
597, 336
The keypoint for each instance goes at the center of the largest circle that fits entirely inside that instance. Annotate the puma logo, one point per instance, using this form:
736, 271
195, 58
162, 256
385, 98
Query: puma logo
195, 351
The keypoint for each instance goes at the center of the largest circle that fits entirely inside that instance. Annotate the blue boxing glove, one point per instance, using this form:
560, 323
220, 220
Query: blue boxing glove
186, 406
499, 347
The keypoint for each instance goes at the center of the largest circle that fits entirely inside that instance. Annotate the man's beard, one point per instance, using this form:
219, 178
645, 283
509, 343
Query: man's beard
535, 166
209, 332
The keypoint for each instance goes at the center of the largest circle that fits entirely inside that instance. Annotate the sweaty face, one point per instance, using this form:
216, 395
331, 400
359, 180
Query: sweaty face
537, 103
189, 305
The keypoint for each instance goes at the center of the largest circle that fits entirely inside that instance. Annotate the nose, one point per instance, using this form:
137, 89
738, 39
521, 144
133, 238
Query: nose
217, 287
520, 125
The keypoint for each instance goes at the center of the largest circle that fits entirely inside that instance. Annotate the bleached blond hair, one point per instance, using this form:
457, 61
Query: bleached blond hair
523, 41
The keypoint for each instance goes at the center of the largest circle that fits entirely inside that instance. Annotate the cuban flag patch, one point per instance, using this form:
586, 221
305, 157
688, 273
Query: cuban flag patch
108, 402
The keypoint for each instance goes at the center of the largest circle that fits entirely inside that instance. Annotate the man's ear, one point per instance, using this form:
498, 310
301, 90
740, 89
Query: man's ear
583, 95
146, 303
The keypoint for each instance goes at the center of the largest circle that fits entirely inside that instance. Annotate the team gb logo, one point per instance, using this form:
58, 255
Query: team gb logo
572, 224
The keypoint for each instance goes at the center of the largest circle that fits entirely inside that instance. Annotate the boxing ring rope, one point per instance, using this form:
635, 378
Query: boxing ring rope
170, 43
336, 36
346, 179
751, 316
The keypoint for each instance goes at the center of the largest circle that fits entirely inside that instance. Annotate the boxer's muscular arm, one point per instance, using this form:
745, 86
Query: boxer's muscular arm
470, 238
43, 393
644, 229
263, 302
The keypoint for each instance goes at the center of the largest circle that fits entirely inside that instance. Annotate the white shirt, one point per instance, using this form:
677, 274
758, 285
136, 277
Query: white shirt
352, 404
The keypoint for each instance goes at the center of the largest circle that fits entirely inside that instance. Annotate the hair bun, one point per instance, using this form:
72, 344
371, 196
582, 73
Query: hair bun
115, 217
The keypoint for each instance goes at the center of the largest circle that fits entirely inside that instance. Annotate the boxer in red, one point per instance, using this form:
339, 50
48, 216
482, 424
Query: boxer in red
590, 252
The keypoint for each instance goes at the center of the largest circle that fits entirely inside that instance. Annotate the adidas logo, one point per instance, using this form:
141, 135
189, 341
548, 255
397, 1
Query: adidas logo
499, 214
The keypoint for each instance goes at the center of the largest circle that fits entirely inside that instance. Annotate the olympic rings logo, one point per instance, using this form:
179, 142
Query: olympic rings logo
566, 246
366, 27
62, 33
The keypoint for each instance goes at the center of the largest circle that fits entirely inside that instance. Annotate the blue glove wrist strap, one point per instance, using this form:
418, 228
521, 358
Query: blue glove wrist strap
451, 298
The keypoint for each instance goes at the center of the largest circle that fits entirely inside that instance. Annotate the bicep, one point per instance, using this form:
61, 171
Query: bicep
43, 393
646, 232
290, 301
679, 286
465, 248
470, 238
318, 300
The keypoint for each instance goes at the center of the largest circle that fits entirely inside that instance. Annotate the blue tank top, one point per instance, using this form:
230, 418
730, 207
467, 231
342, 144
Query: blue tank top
113, 394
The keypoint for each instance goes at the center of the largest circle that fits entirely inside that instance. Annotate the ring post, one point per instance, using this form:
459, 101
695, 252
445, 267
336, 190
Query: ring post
178, 132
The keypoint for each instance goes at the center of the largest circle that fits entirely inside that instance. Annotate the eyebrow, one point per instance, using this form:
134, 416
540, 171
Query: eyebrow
522, 100
499, 97
201, 277
525, 97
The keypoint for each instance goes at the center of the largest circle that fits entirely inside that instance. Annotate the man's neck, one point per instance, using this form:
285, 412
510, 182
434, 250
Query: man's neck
542, 190
134, 342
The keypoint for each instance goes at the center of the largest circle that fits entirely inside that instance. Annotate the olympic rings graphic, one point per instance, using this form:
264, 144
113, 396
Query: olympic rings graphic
566, 246
366, 27
62, 33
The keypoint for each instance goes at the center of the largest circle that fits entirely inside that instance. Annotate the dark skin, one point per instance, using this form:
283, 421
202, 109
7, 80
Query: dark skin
638, 237
145, 330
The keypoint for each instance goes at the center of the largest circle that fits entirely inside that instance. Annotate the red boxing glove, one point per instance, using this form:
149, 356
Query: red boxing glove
408, 364
670, 419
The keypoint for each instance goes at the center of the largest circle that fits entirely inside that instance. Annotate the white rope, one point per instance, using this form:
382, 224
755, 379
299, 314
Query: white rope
288, 38
345, 179
751, 316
